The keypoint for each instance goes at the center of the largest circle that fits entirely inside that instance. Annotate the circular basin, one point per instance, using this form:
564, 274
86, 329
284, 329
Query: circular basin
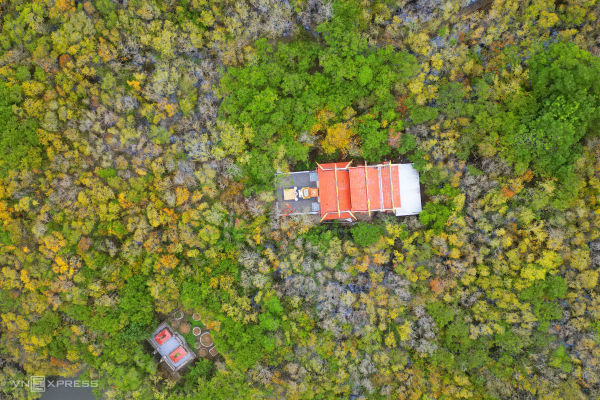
202, 352
206, 340
178, 314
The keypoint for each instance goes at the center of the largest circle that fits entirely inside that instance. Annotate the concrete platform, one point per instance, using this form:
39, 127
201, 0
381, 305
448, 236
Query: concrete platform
296, 180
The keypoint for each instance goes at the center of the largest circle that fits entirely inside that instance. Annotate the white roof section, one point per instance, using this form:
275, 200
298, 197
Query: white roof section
410, 190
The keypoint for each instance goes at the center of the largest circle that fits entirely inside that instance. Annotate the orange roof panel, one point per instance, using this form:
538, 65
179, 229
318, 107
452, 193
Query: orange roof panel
163, 336
371, 188
177, 354
344, 190
390, 183
358, 190
374, 188
334, 190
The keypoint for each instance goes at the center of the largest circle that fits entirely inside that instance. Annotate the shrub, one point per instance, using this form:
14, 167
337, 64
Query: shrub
365, 234
560, 359
420, 115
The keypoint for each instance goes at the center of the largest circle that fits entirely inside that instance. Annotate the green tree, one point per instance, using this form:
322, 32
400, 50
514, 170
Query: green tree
559, 107
441, 313
136, 303
19, 145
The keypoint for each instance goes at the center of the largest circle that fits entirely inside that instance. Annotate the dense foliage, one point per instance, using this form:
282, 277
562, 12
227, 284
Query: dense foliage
337, 87
138, 146
19, 146
543, 124
562, 107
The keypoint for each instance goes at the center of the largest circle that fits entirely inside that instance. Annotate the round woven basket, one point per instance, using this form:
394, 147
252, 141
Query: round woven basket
202, 352
206, 340
177, 315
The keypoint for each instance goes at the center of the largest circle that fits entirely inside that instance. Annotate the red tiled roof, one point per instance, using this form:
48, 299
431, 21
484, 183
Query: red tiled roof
335, 203
345, 190
371, 188
177, 354
163, 336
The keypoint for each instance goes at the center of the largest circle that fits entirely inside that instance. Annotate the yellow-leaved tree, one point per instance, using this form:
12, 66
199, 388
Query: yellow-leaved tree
338, 137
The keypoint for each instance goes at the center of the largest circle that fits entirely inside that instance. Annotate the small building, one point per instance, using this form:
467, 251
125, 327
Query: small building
341, 191
171, 347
